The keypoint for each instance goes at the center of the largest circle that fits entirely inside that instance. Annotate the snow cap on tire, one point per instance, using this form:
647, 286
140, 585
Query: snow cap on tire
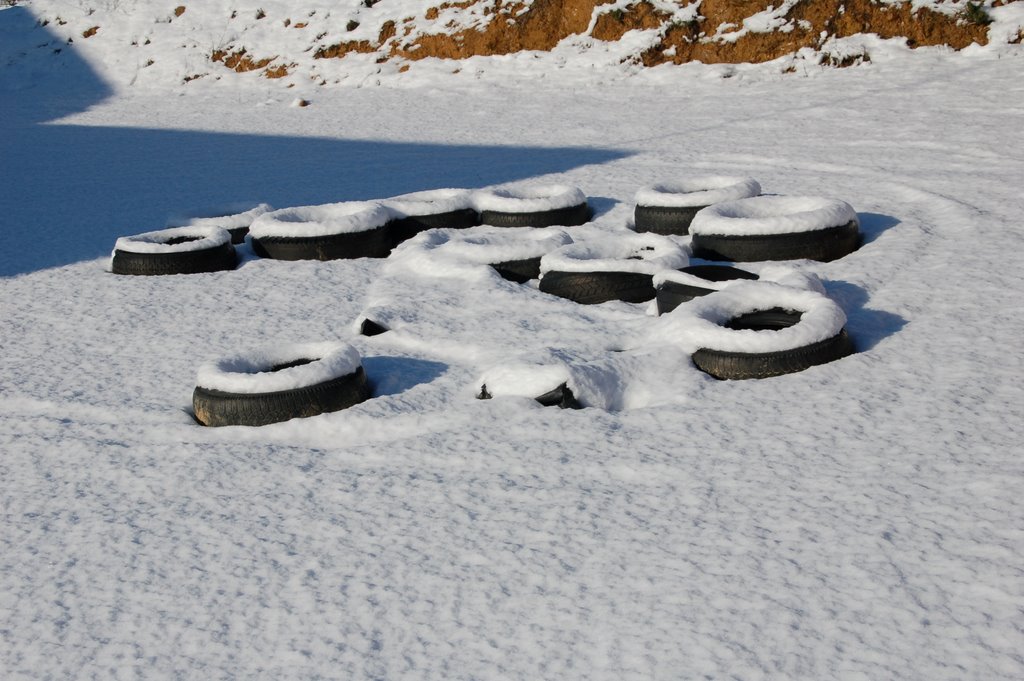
251, 372
430, 202
346, 217
640, 253
528, 199
764, 215
697, 191
193, 238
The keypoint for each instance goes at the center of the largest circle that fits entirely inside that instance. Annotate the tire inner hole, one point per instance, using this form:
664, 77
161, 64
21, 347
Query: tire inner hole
289, 365
765, 320
718, 272
182, 240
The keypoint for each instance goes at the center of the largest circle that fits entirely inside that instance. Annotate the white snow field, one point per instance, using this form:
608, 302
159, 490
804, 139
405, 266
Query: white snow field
863, 519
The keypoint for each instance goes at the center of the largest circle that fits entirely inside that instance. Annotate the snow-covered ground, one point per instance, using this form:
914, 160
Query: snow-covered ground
860, 520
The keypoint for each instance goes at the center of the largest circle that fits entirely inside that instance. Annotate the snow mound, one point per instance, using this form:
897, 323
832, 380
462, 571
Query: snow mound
347, 217
700, 323
228, 216
640, 253
531, 199
772, 215
698, 191
192, 238
462, 252
252, 372
430, 202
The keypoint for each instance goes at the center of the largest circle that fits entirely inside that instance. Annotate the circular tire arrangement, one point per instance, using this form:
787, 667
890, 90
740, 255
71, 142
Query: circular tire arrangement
547, 206
178, 250
623, 271
776, 228
669, 208
334, 231
306, 380
292, 382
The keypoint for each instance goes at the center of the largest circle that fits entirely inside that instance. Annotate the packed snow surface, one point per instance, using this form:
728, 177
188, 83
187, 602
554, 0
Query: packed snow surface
174, 240
346, 217
697, 191
529, 199
640, 253
862, 519
772, 215
700, 323
253, 371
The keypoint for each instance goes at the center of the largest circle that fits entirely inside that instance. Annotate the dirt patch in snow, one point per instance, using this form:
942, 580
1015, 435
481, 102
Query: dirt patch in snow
707, 39
513, 27
614, 24
239, 61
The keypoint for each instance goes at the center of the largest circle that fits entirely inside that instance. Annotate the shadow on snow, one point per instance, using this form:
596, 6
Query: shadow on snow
74, 189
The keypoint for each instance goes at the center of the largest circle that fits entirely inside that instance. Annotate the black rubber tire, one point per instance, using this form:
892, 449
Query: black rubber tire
409, 226
214, 259
565, 217
372, 243
671, 294
371, 328
519, 271
217, 408
743, 365
238, 234
664, 219
590, 288
560, 397
823, 245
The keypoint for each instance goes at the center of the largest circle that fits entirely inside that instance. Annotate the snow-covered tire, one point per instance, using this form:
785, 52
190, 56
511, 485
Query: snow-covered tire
671, 294
740, 365
615, 269
776, 228
179, 250
292, 382
759, 330
336, 231
432, 209
669, 208
546, 206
